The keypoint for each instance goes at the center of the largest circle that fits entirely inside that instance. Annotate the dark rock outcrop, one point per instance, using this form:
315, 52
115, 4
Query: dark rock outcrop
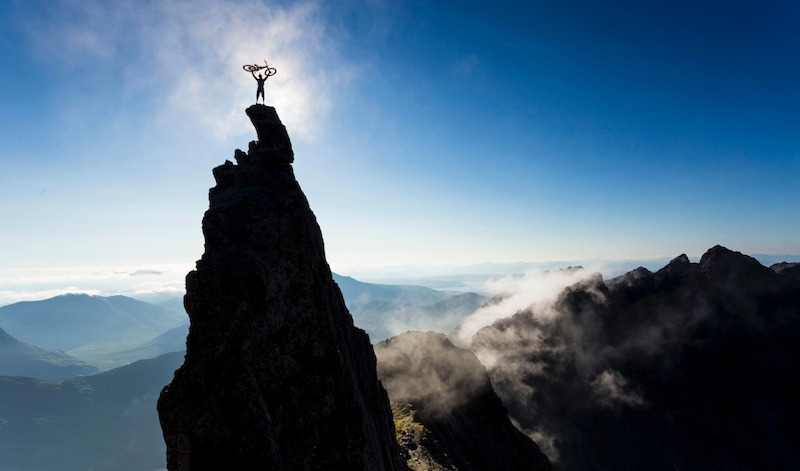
447, 414
276, 376
691, 368
786, 268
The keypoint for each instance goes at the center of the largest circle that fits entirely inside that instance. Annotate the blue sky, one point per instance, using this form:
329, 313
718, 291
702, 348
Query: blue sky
425, 133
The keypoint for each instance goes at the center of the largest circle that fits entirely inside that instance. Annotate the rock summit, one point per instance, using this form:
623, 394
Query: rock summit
276, 376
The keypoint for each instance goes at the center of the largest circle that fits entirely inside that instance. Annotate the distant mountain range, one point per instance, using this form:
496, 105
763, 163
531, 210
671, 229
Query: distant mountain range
386, 310
688, 367
108, 421
467, 277
75, 334
103, 331
22, 359
72, 321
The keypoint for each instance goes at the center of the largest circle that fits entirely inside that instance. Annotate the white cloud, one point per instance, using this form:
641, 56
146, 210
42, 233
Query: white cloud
11, 297
130, 273
189, 55
136, 281
535, 289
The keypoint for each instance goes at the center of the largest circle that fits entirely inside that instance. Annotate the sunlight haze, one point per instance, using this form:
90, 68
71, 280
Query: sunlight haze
425, 133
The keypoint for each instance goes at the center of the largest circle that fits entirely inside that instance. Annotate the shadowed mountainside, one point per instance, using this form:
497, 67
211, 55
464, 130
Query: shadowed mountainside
103, 422
446, 413
686, 368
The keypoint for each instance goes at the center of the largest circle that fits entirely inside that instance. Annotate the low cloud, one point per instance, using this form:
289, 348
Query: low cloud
545, 440
11, 297
145, 272
21, 276
405, 318
426, 370
547, 351
611, 388
535, 290
135, 281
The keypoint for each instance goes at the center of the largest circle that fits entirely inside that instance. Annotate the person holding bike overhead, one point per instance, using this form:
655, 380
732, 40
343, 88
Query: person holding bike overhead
260, 90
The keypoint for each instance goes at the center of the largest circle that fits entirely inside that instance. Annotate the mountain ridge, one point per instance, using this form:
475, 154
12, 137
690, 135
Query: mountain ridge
106, 421
446, 411
682, 368
21, 359
71, 321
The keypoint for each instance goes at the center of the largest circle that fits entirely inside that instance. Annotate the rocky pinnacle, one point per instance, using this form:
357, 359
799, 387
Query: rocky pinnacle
276, 376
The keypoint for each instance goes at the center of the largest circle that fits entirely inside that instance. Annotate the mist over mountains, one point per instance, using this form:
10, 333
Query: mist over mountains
107, 421
385, 310
447, 414
687, 367
130, 330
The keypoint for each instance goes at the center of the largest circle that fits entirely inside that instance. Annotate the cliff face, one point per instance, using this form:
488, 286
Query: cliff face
447, 414
276, 376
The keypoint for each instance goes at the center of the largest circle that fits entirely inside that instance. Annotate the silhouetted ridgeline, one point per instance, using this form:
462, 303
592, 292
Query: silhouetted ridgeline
788, 269
276, 376
692, 367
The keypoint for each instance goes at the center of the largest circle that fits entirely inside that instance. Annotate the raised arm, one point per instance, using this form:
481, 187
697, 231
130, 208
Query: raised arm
253, 72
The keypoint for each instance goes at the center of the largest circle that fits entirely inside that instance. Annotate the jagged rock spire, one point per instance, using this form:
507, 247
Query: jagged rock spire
273, 141
276, 376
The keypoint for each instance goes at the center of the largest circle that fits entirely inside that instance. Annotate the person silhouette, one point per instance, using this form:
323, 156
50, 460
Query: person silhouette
260, 90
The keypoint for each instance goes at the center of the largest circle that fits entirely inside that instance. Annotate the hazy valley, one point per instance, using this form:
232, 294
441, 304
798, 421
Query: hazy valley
108, 420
